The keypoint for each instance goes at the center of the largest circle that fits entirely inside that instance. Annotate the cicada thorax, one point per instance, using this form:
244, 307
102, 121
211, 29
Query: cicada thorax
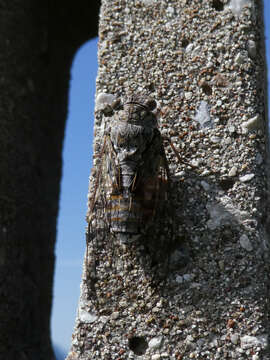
134, 168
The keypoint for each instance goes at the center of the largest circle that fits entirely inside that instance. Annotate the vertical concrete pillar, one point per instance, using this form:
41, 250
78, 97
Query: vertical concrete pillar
204, 62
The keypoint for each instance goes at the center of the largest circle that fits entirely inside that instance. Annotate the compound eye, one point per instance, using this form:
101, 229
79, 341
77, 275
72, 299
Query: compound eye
135, 117
116, 104
151, 104
143, 113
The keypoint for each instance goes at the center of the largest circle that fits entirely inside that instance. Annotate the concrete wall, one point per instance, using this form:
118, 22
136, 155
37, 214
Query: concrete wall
203, 61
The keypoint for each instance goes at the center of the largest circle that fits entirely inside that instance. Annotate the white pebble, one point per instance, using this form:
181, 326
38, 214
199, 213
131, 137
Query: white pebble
104, 99
155, 342
189, 48
246, 177
239, 59
248, 341
236, 6
233, 171
253, 123
245, 243
188, 95
234, 338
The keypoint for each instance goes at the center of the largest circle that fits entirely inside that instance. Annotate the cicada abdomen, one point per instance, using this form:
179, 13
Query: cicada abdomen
135, 166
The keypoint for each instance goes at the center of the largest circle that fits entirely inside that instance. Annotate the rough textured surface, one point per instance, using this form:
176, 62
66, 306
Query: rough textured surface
34, 80
203, 61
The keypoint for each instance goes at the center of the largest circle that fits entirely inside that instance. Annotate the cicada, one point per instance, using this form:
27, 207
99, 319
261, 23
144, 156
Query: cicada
130, 196
133, 173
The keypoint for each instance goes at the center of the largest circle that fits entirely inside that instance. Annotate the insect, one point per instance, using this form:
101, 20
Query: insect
133, 170
132, 178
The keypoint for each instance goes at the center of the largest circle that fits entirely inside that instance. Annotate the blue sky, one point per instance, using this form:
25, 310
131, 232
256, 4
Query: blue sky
77, 158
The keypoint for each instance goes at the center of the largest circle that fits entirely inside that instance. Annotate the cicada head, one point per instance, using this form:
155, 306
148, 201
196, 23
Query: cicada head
138, 110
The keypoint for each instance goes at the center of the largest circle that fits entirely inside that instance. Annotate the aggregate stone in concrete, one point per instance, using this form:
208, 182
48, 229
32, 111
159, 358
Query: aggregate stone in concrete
203, 61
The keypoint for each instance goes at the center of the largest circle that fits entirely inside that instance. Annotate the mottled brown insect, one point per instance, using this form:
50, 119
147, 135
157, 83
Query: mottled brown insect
133, 173
131, 197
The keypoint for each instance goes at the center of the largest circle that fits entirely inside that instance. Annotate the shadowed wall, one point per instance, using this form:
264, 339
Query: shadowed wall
37, 43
